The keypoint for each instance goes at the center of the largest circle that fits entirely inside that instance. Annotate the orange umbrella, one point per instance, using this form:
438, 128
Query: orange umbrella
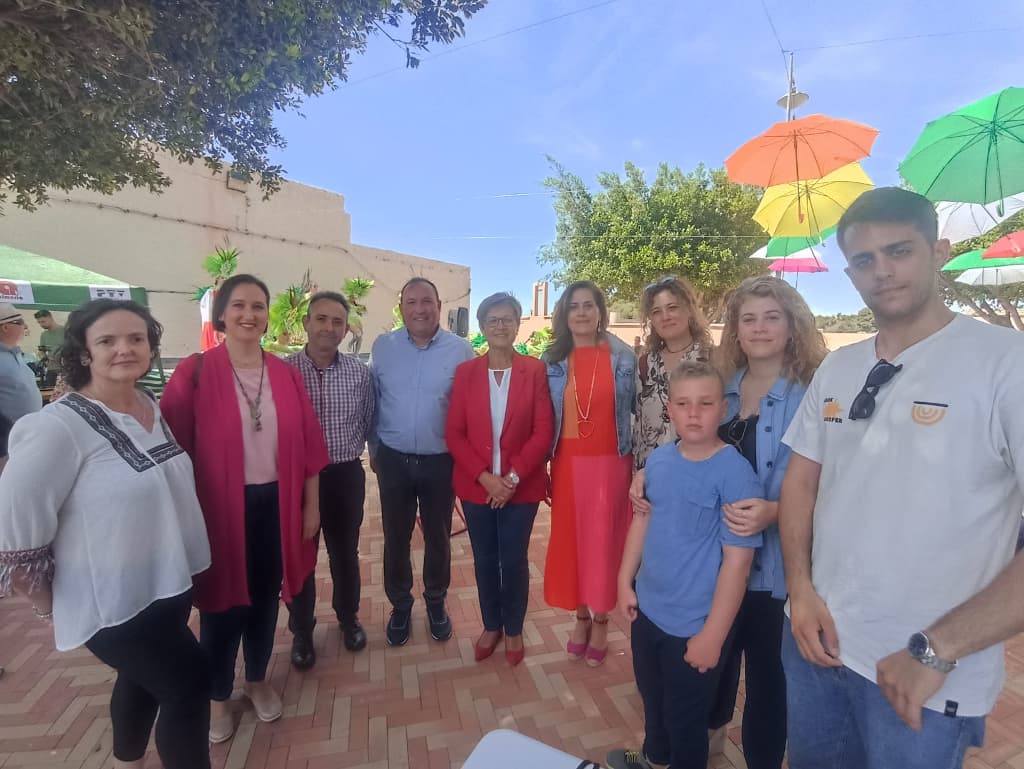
807, 148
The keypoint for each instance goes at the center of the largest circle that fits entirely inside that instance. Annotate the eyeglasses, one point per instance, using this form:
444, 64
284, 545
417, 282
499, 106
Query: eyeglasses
495, 322
880, 374
15, 322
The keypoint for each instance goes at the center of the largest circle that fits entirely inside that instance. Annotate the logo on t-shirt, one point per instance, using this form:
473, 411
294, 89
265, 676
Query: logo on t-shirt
926, 413
832, 410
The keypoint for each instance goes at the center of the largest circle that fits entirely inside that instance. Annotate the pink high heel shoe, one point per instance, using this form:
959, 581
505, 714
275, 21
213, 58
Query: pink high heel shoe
578, 651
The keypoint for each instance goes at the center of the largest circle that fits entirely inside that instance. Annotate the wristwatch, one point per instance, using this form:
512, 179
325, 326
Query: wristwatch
514, 477
920, 648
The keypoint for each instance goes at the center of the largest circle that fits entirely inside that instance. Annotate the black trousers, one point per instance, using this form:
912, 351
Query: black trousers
408, 482
757, 636
254, 625
677, 698
160, 667
342, 494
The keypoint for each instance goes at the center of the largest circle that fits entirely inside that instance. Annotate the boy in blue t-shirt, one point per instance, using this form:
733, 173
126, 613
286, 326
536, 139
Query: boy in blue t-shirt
692, 574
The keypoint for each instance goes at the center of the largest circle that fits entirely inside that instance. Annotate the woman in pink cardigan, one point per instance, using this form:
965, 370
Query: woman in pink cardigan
247, 422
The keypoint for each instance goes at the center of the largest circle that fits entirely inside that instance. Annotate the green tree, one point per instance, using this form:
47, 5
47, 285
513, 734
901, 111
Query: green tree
999, 305
355, 291
220, 265
284, 328
697, 225
863, 322
90, 88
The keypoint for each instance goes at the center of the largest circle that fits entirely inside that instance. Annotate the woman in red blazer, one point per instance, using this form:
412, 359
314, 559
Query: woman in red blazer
499, 432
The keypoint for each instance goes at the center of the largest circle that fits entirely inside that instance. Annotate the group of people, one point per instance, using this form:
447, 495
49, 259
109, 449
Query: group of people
697, 488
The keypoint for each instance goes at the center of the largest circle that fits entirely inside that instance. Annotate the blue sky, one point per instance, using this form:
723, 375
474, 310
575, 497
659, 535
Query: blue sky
427, 158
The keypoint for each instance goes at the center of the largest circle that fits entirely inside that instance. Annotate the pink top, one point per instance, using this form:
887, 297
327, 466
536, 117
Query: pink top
260, 446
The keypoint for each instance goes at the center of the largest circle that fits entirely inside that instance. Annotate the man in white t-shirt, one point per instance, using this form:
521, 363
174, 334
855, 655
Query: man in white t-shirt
902, 500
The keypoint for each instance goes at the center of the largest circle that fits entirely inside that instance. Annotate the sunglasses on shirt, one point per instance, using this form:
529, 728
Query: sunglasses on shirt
880, 374
737, 432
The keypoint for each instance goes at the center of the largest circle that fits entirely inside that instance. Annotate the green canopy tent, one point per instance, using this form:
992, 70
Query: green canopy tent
35, 282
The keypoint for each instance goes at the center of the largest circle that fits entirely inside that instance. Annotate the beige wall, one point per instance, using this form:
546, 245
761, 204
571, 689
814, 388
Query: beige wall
159, 241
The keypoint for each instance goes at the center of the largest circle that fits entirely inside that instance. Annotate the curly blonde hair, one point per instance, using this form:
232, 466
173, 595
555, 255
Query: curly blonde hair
700, 331
806, 346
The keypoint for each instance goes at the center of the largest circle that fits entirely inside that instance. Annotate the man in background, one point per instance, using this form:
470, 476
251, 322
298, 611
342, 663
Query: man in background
51, 340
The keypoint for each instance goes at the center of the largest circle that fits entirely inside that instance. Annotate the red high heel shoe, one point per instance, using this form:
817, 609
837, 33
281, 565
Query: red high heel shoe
514, 656
481, 653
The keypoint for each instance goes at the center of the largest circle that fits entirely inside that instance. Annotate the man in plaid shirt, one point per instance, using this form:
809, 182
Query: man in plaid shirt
341, 389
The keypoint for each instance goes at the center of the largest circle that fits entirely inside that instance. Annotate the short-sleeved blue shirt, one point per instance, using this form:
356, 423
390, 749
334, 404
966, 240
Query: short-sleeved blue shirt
683, 548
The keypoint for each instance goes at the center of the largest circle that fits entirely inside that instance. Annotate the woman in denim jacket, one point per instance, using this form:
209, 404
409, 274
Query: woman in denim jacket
770, 349
591, 374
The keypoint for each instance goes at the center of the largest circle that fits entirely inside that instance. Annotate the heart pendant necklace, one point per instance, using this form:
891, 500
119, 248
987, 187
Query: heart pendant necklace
584, 424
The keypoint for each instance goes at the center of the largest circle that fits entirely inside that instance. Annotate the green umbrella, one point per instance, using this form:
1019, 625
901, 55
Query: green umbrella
973, 260
973, 155
780, 247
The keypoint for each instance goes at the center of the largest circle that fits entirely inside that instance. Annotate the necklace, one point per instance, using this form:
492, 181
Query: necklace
687, 348
255, 410
583, 419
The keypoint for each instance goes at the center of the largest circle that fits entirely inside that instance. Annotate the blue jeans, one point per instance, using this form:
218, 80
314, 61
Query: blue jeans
840, 720
501, 539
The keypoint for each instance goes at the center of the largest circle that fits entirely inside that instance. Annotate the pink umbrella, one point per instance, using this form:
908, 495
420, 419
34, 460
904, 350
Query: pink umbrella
798, 264
1007, 247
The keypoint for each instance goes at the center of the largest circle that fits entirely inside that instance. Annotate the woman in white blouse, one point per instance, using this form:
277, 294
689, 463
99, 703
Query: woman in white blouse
101, 529
499, 431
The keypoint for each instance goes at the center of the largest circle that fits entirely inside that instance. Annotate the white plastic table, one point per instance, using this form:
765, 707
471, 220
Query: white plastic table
505, 749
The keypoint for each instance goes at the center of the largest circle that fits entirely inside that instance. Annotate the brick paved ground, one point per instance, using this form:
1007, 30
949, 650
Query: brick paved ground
423, 706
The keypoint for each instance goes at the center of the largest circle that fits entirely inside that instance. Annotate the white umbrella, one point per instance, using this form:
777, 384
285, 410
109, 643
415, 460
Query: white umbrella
993, 276
963, 221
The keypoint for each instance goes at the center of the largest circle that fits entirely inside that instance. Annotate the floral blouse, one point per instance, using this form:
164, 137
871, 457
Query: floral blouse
652, 427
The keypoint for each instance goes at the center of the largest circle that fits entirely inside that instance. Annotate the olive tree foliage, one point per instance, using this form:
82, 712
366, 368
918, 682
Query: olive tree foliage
630, 232
90, 90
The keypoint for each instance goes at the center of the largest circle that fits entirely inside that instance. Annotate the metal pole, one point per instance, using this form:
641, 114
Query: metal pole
792, 90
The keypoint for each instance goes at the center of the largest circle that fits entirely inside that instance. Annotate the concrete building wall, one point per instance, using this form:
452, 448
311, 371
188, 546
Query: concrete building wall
159, 242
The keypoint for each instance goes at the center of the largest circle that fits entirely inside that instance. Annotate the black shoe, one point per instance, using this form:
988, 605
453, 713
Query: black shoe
354, 635
303, 653
440, 623
398, 628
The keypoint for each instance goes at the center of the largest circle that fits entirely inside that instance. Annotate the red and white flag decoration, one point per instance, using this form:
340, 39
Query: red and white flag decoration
208, 338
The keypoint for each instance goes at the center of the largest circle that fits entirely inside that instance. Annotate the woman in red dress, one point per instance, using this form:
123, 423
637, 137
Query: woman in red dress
592, 378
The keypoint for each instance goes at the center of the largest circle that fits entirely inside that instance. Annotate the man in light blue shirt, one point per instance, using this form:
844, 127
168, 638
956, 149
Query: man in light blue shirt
19, 393
413, 368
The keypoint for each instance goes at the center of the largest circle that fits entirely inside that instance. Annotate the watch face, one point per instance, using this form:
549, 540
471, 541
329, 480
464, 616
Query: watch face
918, 645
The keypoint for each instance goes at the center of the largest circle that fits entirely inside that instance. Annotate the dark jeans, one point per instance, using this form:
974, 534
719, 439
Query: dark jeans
253, 625
758, 638
407, 481
160, 667
677, 699
342, 493
500, 540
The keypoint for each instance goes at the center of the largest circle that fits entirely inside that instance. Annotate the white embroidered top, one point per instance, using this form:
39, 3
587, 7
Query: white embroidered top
116, 505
